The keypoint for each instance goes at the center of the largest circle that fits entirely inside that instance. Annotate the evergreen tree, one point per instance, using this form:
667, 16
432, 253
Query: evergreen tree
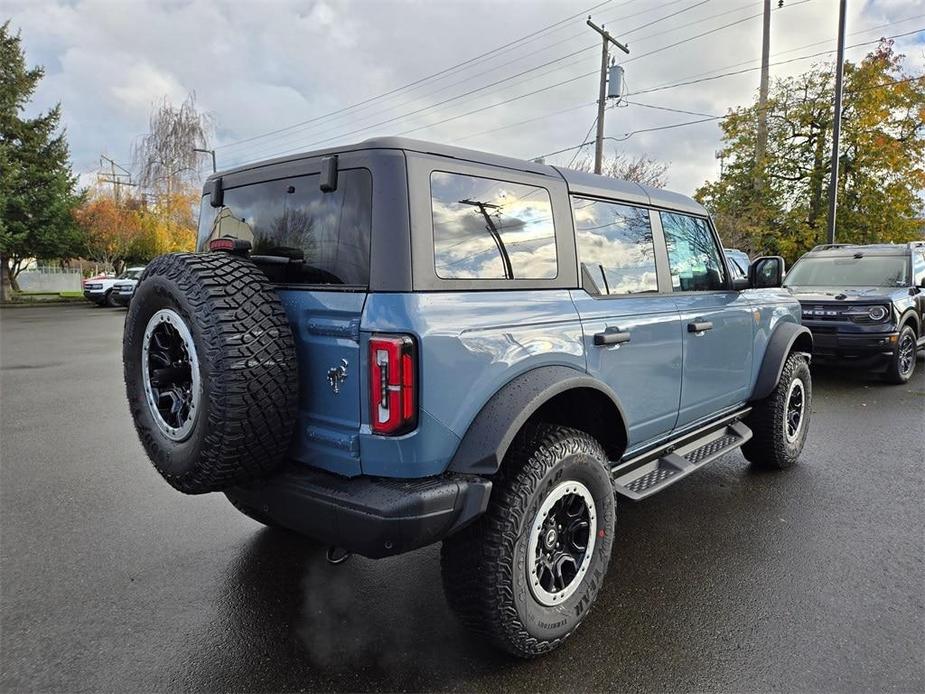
37, 186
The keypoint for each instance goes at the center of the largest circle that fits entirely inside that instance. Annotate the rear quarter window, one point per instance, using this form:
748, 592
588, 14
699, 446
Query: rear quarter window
491, 229
298, 234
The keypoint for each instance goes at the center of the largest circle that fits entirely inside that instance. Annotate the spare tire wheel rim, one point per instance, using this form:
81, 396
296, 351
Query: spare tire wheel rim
170, 371
561, 543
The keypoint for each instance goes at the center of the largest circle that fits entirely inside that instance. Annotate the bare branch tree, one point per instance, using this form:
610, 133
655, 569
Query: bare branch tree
640, 169
164, 158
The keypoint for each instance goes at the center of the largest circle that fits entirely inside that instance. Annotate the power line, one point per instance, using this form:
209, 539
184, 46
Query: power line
673, 110
674, 85
587, 135
626, 136
413, 83
490, 70
507, 79
546, 88
778, 62
529, 120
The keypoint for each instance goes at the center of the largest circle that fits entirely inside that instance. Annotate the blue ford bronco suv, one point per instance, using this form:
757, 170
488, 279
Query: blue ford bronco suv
391, 344
865, 305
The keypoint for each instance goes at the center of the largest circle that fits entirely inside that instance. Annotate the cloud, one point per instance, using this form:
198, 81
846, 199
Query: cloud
258, 67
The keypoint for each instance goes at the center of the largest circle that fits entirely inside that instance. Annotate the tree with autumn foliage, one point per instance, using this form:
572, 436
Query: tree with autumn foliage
779, 205
132, 230
111, 229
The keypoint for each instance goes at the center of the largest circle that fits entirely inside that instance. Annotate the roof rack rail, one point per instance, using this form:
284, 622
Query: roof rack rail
827, 246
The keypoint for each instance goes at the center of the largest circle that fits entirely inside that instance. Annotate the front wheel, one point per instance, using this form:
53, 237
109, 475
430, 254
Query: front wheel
527, 572
902, 363
780, 422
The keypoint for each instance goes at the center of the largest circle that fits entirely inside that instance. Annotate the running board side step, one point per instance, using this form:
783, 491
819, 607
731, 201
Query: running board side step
648, 474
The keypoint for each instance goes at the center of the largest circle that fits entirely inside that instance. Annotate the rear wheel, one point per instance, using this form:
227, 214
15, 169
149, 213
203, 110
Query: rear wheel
527, 572
902, 363
780, 422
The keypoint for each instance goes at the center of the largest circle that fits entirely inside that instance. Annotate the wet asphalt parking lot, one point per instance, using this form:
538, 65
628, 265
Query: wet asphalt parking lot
807, 580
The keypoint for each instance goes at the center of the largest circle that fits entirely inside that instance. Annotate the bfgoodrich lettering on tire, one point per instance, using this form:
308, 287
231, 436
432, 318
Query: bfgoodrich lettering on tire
210, 371
527, 572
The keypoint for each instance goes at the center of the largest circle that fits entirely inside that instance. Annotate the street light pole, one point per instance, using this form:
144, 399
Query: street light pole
836, 128
606, 40
207, 151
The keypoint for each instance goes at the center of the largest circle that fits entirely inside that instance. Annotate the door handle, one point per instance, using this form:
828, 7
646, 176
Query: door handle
699, 326
611, 338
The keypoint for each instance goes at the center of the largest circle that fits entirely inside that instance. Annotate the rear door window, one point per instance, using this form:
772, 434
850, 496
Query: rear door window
615, 247
298, 234
693, 254
491, 229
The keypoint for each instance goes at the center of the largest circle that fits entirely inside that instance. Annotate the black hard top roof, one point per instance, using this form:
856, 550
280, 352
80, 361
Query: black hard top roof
579, 182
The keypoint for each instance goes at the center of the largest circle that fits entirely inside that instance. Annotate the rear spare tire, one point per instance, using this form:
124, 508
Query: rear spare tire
210, 371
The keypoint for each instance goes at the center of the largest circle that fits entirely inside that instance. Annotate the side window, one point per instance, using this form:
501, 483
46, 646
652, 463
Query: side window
490, 229
918, 268
615, 247
693, 256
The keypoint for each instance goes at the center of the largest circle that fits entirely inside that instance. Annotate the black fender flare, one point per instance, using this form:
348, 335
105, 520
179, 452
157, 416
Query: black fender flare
910, 316
491, 432
784, 339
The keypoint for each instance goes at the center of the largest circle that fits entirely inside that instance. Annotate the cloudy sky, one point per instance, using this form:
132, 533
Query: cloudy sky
293, 65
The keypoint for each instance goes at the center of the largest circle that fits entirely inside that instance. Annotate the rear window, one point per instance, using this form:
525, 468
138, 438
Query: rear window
298, 234
490, 229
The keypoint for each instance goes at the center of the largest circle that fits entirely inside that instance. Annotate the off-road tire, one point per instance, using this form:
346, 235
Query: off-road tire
108, 301
894, 372
769, 446
484, 566
245, 422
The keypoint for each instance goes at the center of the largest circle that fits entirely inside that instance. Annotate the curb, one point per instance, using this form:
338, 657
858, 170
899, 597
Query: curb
34, 304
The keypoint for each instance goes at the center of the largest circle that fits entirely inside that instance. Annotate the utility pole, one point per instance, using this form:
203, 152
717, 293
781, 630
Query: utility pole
761, 144
836, 128
606, 40
207, 151
115, 178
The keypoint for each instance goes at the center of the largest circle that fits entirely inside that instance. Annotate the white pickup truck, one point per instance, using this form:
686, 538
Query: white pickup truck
100, 289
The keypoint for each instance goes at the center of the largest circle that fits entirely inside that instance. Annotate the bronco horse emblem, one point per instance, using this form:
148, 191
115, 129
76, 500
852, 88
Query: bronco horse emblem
337, 375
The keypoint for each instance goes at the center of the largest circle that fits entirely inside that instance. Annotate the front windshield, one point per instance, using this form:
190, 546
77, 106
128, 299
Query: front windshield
129, 275
865, 271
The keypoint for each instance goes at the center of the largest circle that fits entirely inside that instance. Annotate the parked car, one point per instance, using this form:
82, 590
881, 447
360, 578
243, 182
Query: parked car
99, 290
124, 290
865, 305
738, 262
397, 343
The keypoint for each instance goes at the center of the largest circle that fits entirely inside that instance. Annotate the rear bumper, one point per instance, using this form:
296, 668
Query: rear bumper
868, 348
372, 516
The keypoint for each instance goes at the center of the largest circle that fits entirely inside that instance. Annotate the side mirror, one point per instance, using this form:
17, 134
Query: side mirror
765, 272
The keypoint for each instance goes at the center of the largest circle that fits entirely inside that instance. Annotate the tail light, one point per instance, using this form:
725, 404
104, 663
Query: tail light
392, 384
